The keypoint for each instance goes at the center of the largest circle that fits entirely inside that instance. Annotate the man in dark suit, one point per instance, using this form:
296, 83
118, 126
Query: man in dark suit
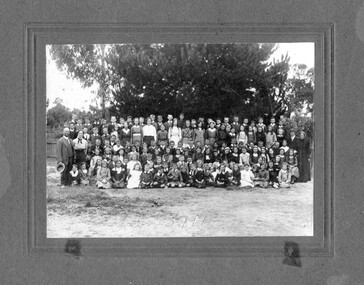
65, 154
292, 140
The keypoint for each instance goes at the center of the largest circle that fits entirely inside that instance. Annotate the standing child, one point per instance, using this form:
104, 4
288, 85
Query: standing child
242, 137
162, 135
251, 136
187, 134
136, 132
260, 135
103, 176
174, 133
211, 133
270, 137
292, 165
125, 135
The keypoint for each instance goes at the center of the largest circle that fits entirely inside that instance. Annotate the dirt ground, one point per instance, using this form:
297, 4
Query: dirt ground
77, 212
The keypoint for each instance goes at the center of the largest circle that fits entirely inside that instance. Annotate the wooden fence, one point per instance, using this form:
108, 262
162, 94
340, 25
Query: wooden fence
51, 144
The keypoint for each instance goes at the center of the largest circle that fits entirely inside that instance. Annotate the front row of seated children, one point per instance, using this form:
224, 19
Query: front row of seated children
130, 175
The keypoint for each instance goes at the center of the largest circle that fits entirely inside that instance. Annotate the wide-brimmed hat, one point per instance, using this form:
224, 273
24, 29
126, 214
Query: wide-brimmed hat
60, 167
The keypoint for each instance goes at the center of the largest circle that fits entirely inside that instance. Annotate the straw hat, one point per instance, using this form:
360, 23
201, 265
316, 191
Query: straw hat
60, 167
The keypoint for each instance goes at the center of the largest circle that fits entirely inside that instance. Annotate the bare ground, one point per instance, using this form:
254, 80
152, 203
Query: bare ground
186, 212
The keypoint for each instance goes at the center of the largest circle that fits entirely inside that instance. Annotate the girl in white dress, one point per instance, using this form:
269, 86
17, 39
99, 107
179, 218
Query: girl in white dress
174, 133
134, 177
247, 176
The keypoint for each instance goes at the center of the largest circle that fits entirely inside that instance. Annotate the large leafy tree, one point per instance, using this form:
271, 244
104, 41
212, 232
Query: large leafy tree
197, 79
58, 114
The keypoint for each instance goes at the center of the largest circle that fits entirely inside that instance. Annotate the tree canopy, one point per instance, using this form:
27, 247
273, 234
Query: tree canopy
206, 80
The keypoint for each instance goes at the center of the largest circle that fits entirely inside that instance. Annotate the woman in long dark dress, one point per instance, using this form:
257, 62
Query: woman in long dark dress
303, 155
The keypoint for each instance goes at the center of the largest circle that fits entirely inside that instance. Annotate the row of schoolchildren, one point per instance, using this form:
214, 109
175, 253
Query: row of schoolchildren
135, 173
240, 154
181, 130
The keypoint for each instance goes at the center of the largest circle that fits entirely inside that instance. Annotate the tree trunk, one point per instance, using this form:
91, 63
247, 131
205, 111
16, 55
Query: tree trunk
102, 89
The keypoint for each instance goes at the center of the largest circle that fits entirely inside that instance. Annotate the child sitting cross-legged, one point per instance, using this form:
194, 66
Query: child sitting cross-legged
246, 177
262, 178
74, 175
222, 177
174, 177
134, 177
146, 178
160, 178
83, 174
284, 177
186, 178
199, 177
118, 175
103, 176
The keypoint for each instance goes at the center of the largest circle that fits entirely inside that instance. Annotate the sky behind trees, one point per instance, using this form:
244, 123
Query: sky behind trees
74, 96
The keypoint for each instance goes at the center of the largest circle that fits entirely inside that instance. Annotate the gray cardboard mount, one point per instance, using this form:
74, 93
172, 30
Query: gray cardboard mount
342, 264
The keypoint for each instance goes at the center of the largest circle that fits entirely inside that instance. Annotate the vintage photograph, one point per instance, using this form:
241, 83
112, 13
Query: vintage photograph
180, 140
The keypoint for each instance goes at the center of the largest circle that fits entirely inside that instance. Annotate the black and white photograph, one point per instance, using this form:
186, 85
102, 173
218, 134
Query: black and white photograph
180, 140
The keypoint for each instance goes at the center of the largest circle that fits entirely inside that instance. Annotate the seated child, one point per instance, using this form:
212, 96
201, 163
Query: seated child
199, 176
132, 162
96, 157
93, 171
74, 175
134, 177
118, 175
83, 174
236, 175
103, 176
174, 177
209, 178
146, 178
244, 157
284, 176
222, 177
160, 179
246, 177
107, 155
262, 178
186, 178
273, 174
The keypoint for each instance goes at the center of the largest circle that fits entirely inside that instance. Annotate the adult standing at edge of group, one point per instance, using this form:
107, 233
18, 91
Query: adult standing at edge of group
292, 140
65, 154
303, 155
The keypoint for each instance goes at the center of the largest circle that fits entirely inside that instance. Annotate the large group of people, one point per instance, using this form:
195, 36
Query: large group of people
177, 152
